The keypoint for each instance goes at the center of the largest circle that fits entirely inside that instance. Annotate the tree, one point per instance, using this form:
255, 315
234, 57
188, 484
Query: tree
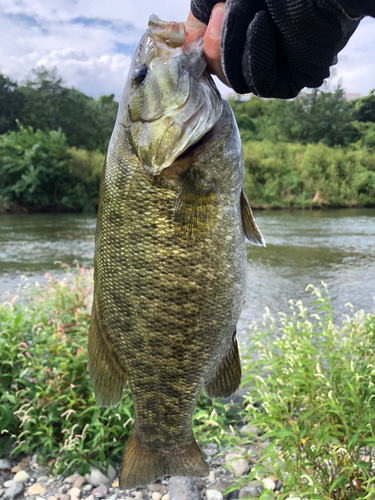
11, 103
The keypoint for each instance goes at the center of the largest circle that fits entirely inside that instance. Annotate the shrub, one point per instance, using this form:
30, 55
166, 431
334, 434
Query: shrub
313, 395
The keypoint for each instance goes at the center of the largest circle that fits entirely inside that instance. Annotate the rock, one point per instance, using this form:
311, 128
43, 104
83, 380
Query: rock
156, 495
72, 478
1, 492
21, 476
183, 488
96, 478
100, 491
268, 484
265, 444
213, 495
210, 449
13, 489
62, 496
36, 489
252, 490
5, 464
89, 487
79, 482
156, 487
63, 489
221, 486
50, 481
249, 429
90, 497
42, 479
200, 483
52, 498
113, 497
278, 485
233, 495
238, 464
115, 484
74, 493
211, 476
165, 497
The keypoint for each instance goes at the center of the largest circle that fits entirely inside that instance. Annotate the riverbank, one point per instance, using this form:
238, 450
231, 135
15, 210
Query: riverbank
319, 399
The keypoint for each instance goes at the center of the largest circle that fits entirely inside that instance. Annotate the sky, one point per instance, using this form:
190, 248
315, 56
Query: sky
91, 42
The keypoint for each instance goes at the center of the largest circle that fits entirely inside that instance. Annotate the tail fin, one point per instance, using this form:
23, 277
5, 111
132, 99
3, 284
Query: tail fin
143, 465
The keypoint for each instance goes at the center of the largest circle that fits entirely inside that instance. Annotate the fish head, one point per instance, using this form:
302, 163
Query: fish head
170, 101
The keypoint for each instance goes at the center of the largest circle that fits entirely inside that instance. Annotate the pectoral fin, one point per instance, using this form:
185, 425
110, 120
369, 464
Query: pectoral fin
250, 228
107, 378
227, 377
196, 206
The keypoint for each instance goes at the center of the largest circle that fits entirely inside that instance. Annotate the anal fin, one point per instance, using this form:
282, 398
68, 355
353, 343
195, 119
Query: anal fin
107, 378
143, 465
250, 228
227, 377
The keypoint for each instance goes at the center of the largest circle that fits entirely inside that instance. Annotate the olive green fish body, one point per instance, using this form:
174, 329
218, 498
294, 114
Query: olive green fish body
170, 279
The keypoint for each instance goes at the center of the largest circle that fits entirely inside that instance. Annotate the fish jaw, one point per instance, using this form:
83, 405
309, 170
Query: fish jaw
177, 103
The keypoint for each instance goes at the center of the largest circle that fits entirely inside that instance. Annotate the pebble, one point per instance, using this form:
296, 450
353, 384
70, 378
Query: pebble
5, 464
158, 487
253, 490
36, 489
52, 498
42, 479
13, 488
79, 482
96, 478
156, 495
239, 465
211, 476
62, 496
21, 476
165, 497
71, 479
88, 487
249, 429
213, 495
100, 491
63, 489
74, 493
268, 484
91, 497
183, 488
115, 484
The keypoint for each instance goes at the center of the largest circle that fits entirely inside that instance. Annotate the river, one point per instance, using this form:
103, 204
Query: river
303, 247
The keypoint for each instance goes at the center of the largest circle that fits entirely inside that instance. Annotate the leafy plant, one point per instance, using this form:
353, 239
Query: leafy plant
311, 391
46, 399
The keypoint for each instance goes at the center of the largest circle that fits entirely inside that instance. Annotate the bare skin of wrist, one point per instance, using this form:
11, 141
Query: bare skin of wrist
212, 41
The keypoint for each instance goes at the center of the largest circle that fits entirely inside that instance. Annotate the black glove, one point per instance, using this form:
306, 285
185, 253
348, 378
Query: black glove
274, 48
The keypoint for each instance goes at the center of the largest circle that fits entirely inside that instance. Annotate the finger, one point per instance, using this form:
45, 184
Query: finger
212, 42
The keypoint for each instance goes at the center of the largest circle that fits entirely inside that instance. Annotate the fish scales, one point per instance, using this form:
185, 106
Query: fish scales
170, 256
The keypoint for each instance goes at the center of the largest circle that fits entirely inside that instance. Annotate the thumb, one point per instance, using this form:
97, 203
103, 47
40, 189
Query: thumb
212, 41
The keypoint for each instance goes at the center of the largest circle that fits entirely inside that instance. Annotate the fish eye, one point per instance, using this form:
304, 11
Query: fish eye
140, 73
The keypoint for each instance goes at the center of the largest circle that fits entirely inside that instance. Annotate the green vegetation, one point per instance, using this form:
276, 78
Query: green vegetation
313, 151
309, 390
46, 399
312, 393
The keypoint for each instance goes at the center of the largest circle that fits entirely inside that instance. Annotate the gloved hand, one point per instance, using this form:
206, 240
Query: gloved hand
274, 48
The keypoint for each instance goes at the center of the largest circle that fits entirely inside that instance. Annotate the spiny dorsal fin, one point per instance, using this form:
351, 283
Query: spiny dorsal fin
196, 206
227, 377
250, 228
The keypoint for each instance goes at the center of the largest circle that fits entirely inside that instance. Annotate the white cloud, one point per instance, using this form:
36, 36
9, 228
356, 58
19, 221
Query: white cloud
91, 41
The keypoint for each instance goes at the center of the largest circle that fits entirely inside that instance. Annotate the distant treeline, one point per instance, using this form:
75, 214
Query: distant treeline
316, 150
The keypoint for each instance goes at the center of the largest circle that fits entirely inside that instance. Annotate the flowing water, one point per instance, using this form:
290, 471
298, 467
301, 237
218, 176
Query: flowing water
303, 247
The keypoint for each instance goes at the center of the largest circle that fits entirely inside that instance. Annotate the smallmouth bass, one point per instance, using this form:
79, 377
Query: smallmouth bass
170, 256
